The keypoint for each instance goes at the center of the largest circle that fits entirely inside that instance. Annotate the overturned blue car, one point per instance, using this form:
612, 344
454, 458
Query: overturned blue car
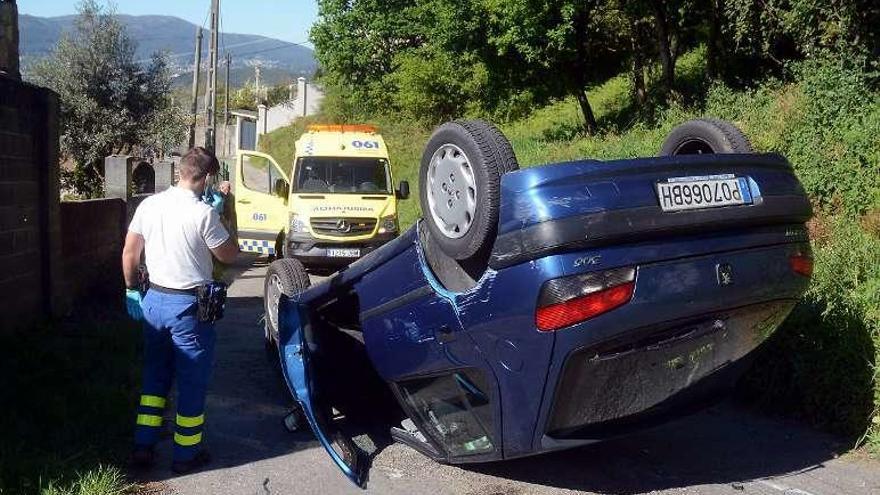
546, 308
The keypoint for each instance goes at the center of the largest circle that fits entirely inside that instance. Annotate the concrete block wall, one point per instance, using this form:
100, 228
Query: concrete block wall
92, 235
30, 271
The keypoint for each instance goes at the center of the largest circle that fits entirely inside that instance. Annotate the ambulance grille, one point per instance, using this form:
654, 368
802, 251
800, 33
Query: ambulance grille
343, 227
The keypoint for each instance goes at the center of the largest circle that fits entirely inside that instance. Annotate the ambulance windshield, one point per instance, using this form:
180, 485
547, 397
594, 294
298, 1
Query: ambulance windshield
322, 174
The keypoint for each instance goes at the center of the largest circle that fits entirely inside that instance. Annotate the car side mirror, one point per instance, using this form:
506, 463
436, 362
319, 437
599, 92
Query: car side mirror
403, 190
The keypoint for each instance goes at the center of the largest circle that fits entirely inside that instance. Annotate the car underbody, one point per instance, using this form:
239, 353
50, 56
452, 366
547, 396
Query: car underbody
593, 312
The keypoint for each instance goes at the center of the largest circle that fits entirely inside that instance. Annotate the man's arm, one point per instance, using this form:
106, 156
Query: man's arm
131, 259
226, 252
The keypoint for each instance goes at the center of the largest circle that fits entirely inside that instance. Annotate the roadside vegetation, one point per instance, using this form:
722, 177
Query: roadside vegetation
110, 103
70, 390
799, 77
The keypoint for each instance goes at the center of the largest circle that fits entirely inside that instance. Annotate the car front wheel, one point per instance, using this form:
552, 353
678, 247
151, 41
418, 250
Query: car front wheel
285, 276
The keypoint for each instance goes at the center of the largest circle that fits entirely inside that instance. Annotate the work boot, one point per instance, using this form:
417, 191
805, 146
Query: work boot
142, 457
185, 467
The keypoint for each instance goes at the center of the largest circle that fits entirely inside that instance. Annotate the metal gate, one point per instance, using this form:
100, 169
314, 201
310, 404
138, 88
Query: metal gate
247, 139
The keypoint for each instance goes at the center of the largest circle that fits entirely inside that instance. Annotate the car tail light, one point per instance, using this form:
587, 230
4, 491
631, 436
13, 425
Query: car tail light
569, 300
802, 264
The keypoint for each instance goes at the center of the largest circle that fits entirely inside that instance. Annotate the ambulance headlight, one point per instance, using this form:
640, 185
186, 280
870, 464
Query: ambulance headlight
297, 225
388, 225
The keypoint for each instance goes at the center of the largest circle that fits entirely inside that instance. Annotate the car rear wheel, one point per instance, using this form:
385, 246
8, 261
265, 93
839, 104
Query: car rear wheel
704, 136
460, 186
285, 276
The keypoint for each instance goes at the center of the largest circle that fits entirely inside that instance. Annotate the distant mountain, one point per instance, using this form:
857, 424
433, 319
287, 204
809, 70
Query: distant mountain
280, 61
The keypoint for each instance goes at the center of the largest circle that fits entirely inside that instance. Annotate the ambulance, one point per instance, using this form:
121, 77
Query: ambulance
336, 204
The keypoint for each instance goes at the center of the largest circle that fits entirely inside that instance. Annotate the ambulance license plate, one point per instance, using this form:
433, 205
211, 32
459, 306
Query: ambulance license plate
707, 191
343, 253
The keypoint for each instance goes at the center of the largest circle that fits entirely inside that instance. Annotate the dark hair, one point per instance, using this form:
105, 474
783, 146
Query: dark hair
198, 163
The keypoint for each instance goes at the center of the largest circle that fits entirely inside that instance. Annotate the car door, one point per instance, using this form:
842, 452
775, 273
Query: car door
295, 347
261, 190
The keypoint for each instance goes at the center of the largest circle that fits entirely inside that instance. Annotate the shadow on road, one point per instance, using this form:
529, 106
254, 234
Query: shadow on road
725, 444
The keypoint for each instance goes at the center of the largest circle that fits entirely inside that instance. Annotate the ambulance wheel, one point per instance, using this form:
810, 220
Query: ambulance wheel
705, 136
460, 186
286, 276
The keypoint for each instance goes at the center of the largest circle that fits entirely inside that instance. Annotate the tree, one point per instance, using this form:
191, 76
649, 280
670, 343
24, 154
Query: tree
782, 30
110, 103
563, 44
356, 42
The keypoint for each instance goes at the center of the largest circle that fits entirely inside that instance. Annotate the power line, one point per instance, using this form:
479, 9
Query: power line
287, 45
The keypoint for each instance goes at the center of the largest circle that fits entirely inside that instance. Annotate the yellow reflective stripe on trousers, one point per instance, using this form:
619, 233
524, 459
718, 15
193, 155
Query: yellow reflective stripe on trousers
187, 440
190, 421
152, 401
149, 420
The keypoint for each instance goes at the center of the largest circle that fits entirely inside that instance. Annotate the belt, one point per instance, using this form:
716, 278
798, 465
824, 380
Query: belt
169, 290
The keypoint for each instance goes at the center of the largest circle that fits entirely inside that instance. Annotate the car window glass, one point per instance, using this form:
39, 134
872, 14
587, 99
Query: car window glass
255, 173
455, 409
259, 175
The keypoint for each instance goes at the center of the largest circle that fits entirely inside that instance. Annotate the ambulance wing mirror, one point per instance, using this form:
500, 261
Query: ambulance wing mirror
403, 190
281, 188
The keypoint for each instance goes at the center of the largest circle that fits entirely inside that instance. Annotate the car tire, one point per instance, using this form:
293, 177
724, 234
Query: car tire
463, 217
705, 136
285, 276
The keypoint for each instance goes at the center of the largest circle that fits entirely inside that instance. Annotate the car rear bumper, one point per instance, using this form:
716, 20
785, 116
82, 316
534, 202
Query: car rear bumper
651, 375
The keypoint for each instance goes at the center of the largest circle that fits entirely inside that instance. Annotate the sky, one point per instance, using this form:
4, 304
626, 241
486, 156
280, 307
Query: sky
287, 20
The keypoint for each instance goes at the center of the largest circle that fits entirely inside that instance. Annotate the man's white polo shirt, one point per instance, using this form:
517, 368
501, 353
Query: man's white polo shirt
179, 231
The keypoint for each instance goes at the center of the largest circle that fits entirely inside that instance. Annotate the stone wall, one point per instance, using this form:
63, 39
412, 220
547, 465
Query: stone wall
30, 271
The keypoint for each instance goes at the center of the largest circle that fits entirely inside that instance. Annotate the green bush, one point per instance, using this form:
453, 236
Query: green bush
433, 86
836, 147
821, 364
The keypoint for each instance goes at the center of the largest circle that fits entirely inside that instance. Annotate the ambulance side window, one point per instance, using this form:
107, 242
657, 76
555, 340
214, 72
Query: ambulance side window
257, 174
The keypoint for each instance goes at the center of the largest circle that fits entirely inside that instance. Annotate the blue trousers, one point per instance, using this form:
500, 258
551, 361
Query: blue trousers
176, 346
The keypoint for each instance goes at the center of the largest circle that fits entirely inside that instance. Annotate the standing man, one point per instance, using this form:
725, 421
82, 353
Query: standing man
178, 233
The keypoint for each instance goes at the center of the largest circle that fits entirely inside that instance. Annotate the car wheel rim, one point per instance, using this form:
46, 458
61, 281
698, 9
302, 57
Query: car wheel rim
452, 191
273, 299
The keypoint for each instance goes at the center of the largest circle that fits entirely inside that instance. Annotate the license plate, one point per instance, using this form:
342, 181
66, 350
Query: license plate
343, 253
707, 191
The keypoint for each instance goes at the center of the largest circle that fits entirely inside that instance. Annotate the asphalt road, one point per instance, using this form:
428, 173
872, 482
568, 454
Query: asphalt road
724, 450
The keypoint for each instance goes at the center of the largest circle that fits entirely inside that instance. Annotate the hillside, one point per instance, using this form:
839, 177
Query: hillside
280, 60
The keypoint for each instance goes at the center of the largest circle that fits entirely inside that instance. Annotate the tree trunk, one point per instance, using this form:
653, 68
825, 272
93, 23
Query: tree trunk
590, 124
577, 79
713, 51
664, 45
640, 93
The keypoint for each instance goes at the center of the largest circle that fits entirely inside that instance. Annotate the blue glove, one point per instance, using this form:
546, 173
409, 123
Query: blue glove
133, 301
217, 202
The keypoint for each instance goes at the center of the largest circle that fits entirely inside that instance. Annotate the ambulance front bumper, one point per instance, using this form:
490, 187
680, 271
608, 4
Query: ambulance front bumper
321, 252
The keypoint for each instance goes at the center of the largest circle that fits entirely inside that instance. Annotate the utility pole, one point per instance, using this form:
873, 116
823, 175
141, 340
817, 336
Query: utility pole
257, 84
194, 110
226, 148
211, 93
226, 103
